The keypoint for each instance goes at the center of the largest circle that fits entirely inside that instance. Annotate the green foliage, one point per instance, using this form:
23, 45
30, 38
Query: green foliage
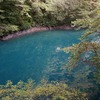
5, 29
90, 19
28, 13
27, 91
14, 16
58, 91
78, 49
10, 28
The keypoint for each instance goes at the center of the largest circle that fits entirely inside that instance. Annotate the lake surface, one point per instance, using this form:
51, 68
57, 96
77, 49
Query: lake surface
37, 56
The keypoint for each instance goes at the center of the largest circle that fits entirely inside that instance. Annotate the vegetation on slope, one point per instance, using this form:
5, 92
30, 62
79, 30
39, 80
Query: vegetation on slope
28, 13
22, 14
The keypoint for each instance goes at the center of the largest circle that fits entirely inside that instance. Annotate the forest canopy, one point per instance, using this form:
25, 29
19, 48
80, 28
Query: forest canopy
18, 15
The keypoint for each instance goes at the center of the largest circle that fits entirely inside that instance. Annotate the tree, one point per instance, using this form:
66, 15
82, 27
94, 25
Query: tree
90, 20
27, 91
23, 14
14, 16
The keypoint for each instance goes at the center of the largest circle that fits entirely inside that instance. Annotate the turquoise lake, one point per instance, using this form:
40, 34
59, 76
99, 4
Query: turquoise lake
37, 56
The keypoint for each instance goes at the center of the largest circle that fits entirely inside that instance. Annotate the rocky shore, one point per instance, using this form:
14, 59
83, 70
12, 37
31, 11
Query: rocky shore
32, 30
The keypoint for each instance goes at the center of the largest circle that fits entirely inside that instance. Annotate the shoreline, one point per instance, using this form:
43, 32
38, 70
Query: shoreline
33, 30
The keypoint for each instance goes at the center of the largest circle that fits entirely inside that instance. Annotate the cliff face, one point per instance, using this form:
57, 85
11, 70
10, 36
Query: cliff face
33, 30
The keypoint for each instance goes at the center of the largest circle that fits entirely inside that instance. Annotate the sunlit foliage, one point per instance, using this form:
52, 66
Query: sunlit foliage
27, 91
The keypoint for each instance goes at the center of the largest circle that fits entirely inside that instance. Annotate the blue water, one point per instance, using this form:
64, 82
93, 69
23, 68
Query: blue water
34, 55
